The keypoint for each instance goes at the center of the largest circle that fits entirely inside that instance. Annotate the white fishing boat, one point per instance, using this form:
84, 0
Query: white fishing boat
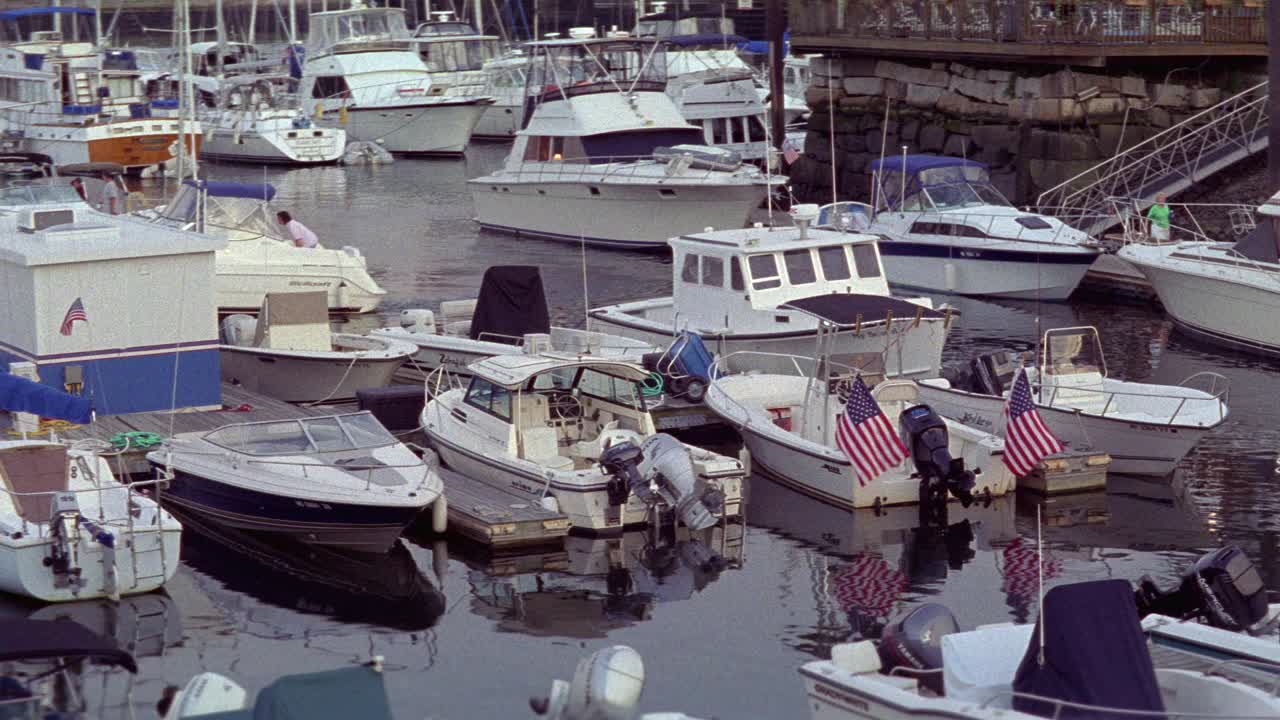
574, 434
945, 227
328, 480
288, 352
771, 289
1145, 428
605, 157
363, 75
1223, 292
510, 317
257, 121
260, 257
789, 423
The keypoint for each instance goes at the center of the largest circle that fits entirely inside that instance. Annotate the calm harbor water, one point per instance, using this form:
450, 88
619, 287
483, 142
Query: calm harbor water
722, 621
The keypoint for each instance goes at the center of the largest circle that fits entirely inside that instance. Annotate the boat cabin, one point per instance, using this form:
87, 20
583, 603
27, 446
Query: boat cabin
933, 183
211, 58
359, 29
723, 275
696, 29
555, 409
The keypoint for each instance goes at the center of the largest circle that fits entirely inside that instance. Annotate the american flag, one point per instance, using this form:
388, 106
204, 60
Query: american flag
868, 585
866, 436
1027, 439
790, 152
74, 313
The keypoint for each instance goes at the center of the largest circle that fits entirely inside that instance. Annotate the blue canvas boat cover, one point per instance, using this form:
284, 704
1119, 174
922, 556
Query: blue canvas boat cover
355, 692
220, 188
35, 11
22, 395
1095, 654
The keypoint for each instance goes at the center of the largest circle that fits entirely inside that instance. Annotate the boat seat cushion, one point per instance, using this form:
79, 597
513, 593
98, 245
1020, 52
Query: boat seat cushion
34, 469
591, 449
540, 445
979, 665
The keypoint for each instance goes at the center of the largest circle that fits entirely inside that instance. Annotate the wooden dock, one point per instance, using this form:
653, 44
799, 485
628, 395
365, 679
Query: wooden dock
497, 518
1112, 277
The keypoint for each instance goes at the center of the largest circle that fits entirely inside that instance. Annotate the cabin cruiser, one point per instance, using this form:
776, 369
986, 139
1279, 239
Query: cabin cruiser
257, 120
288, 352
362, 74
511, 316
573, 433
260, 257
328, 480
1145, 428
456, 56
504, 82
1222, 292
788, 422
67, 99
772, 289
605, 157
945, 227
1089, 653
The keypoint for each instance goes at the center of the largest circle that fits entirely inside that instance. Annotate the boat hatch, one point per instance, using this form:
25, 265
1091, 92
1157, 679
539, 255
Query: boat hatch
336, 433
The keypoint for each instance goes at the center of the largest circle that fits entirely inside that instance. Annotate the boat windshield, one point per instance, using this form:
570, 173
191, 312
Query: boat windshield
938, 188
597, 66
1073, 352
367, 25
457, 55
339, 433
39, 194
667, 26
436, 29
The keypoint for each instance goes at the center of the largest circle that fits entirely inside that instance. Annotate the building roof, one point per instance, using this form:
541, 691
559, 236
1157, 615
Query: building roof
95, 236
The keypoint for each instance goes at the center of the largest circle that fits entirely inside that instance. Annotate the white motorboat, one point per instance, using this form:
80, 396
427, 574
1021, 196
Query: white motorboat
458, 57
68, 529
788, 422
1087, 656
605, 157
1145, 428
1222, 292
257, 121
504, 82
945, 227
362, 74
260, 257
510, 317
771, 289
288, 352
574, 434
328, 480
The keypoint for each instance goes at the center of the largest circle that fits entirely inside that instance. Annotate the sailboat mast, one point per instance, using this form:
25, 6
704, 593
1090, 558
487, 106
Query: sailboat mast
293, 21
479, 5
253, 21
97, 23
221, 33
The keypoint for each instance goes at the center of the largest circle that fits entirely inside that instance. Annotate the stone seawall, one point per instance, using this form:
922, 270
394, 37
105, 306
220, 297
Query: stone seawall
1034, 128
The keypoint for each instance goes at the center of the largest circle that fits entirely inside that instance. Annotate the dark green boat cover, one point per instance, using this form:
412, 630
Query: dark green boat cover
355, 692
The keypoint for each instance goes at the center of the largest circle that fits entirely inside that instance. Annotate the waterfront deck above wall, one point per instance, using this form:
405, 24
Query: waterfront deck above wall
1083, 31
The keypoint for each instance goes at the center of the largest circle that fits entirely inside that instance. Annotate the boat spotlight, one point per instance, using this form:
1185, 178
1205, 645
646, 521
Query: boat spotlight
940, 474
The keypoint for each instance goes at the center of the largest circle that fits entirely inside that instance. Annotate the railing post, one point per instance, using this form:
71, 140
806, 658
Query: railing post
1151, 21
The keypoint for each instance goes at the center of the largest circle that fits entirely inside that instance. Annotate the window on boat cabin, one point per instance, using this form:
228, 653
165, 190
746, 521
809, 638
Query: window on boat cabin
490, 398
865, 261
689, 270
835, 264
799, 267
719, 131
764, 272
558, 379
755, 128
712, 271
330, 86
609, 388
735, 274
546, 148
120, 87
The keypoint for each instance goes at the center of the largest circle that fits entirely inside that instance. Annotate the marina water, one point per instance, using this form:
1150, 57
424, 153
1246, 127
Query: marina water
721, 636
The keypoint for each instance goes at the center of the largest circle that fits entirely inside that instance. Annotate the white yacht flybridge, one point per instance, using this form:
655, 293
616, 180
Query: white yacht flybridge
945, 227
455, 54
362, 74
605, 157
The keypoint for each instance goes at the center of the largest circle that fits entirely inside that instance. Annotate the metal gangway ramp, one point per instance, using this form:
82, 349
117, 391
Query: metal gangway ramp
1169, 162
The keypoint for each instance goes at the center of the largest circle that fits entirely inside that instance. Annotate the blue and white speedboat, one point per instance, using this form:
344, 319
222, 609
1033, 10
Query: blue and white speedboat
945, 227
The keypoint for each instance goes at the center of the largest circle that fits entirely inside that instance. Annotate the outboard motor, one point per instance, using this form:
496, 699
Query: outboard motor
914, 643
1223, 588
606, 686
928, 442
661, 469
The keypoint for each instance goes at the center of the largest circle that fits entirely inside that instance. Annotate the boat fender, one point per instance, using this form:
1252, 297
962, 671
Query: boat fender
549, 503
439, 515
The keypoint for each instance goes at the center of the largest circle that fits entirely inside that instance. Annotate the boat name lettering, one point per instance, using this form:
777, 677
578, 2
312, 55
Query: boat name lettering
837, 695
831, 468
969, 253
310, 504
974, 420
309, 283
522, 486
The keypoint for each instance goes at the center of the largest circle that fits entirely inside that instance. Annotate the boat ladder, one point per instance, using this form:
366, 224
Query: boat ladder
134, 532
1169, 162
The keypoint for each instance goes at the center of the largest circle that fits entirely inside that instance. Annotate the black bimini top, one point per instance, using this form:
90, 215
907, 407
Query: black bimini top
849, 309
53, 639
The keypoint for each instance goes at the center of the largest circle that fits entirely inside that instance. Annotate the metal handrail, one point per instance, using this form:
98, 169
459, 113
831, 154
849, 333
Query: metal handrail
606, 168
1219, 397
1218, 668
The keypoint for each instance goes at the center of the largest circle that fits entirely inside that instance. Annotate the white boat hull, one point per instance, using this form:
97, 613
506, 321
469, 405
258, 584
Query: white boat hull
632, 215
310, 147
23, 570
307, 376
1055, 278
442, 128
1135, 448
499, 122
241, 286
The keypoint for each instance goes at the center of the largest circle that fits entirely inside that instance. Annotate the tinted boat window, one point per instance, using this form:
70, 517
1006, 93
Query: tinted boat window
713, 271
489, 397
735, 275
835, 265
864, 259
799, 267
689, 271
764, 272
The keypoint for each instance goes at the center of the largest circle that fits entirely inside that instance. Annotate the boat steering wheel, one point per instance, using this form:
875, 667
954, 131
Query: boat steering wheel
564, 406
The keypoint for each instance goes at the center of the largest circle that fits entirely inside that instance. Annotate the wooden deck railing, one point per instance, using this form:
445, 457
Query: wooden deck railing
1096, 22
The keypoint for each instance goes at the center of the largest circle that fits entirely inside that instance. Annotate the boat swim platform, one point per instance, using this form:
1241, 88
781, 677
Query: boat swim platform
498, 519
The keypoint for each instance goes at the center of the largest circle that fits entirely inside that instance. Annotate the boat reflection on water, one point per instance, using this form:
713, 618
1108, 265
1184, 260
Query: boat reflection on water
598, 584
255, 569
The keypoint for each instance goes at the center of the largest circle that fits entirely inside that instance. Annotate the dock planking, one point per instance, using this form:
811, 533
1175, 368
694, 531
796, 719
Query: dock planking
497, 518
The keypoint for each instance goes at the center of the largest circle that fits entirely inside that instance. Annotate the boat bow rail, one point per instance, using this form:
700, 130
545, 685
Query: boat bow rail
679, 169
724, 366
1193, 409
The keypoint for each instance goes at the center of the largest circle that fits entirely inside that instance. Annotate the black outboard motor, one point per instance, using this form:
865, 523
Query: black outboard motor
1223, 588
927, 439
622, 462
914, 643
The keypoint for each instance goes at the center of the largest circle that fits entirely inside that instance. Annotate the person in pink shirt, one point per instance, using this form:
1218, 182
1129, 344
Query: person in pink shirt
301, 234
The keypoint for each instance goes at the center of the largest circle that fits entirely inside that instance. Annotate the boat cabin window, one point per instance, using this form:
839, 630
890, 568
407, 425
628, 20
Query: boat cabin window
865, 261
689, 270
365, 25
609, 388
486, 396
764, 272
457, 55
800, 267
835, 265
39, 194
712, 271
547, 148
290, 437
735, 275
560, 379
330, 86
755, 128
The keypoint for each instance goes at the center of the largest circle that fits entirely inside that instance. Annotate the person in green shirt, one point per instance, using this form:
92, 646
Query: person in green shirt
1158, 216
